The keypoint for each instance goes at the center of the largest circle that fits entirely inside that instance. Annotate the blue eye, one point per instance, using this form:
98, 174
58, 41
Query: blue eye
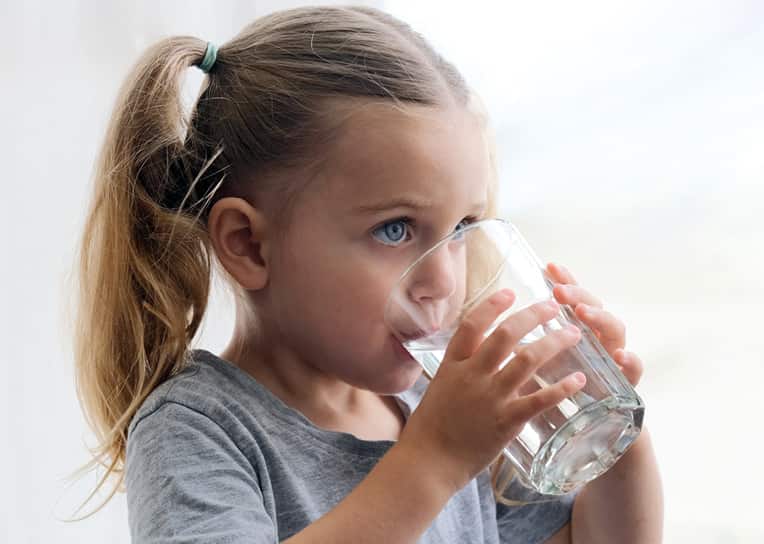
462, 224
395, 231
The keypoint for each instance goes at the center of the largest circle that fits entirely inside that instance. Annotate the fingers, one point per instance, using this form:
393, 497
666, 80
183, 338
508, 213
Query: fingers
573, 295
561, 274
609, 330
470, 333
612, 331
630, 364
503, 340
525, 408
528, 359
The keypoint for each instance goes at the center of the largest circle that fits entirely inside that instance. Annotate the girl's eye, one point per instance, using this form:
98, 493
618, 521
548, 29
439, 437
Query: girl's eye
462, 224
396, 231
393, 232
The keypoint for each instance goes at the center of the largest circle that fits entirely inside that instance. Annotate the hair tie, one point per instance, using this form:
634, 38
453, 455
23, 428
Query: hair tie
210, 56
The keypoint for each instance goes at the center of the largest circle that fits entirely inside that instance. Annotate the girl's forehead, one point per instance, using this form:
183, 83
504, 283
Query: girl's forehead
428, 154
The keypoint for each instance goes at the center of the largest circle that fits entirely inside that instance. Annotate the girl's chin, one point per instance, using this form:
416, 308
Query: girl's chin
400, 383
395, 373
406, 369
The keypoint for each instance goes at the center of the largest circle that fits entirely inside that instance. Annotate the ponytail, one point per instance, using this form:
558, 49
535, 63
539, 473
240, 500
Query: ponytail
144, 260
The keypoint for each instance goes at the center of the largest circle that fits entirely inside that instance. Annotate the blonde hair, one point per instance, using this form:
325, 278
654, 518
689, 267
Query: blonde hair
145, 257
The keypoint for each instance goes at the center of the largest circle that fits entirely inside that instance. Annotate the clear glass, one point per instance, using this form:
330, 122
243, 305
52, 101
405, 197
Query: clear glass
566, 446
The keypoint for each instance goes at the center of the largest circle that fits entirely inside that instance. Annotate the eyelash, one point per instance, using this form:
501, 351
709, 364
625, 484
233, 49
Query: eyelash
410, 222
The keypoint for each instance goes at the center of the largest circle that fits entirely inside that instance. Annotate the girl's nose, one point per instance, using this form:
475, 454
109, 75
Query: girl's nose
434, 278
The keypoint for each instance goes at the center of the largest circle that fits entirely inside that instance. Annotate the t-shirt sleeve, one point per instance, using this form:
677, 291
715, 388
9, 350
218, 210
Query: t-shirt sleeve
187, 482
532, 523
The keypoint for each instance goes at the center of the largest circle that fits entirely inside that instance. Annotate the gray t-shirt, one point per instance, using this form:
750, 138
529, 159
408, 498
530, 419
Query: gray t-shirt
214, 456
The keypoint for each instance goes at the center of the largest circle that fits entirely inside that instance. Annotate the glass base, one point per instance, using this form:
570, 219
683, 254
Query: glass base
586, 446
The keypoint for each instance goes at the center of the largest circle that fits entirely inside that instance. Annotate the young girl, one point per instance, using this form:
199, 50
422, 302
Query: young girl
329, 148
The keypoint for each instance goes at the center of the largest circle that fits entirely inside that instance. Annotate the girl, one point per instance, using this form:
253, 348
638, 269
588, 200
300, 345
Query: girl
329, 147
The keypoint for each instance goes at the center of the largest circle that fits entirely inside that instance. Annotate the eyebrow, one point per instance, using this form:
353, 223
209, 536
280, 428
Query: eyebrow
404, 202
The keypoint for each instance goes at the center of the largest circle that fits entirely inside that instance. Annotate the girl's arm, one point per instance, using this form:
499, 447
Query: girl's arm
625, 504
396, 502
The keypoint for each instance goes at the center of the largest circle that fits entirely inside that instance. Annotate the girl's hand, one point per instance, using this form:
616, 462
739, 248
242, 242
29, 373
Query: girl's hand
610, 330
472, 408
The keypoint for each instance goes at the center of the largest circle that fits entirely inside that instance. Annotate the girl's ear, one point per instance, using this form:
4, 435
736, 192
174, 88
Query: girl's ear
239, 235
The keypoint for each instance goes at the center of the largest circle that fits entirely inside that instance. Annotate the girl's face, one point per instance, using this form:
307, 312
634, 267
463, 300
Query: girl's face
392, 186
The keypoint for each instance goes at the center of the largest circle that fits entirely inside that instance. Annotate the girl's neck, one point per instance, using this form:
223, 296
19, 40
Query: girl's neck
327, 402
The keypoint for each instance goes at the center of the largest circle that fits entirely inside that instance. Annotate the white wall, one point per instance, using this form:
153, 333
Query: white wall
631, 137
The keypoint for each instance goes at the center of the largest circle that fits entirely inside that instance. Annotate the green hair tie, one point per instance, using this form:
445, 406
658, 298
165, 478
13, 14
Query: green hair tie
210, 56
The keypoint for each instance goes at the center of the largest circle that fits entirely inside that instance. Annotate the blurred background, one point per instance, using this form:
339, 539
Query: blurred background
630, 137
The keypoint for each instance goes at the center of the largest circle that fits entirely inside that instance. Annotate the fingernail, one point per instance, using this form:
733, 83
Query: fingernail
552, 305
579, 378
572, 329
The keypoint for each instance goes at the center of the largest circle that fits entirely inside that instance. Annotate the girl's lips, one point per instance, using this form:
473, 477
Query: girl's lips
399, 347
415, 335
401, 351
402, 337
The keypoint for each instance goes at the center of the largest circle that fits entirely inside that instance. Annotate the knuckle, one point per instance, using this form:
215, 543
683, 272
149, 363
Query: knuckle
509, 425
537, 402
505, 421
504, 332
511, 420
470, 326
539, 310
527, 357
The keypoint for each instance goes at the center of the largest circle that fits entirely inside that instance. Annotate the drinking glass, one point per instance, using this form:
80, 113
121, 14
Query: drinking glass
569, 444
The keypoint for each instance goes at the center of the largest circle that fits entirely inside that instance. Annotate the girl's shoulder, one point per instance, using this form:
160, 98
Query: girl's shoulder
212, 391
207, 385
